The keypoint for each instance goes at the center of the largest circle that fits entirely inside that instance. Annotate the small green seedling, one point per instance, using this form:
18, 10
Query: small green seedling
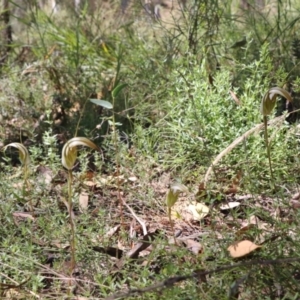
267, 105
108, 105
69, 156
172, 197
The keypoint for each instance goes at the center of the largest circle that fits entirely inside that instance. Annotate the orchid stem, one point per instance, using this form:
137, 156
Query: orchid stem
268, 145
72, 242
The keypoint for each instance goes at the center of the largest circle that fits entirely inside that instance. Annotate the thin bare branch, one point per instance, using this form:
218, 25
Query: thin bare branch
199, 274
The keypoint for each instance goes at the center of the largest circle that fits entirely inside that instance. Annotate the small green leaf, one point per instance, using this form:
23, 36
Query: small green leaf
102, 103
118, 89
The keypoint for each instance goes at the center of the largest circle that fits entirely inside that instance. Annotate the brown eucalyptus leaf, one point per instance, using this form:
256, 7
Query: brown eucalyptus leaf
242, 248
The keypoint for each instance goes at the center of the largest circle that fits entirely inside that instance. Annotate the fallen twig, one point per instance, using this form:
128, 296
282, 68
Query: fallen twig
143, 224
199, 274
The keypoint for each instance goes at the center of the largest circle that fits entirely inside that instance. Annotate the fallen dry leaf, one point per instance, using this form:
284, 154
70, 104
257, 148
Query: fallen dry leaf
89, 175
83, 201
242, 248
139, 247
24, 215
198, 210
254, 220
89, 183
234, 186
235, 98
112, 231
60, 245
245, 229
132, 178
193, 246
18, 185
101, 181
45, 174
201, 191
188, 212
295, 204
13, 294
230, 205
296, 196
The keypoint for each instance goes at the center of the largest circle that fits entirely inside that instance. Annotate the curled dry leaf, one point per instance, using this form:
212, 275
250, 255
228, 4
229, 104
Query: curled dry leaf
230, 205
198, 210
242, 248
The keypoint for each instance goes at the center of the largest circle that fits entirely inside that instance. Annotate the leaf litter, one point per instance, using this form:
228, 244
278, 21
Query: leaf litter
149, 228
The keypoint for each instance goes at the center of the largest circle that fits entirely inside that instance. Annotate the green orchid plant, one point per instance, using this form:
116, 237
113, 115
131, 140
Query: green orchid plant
266, 107
25, 160
68, 158
172, 196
